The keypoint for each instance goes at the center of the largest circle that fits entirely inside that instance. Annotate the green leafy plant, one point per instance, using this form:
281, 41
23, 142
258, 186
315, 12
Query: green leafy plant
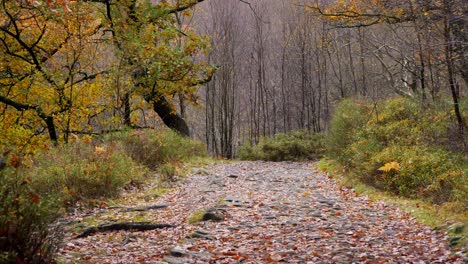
369, 141
349, 117
293, 146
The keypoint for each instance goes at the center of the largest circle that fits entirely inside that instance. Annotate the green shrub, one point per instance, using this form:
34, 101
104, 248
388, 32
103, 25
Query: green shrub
294, 146
80, 171
154, 148
25, 216
426, 172
400, 132
349, 117
248, 152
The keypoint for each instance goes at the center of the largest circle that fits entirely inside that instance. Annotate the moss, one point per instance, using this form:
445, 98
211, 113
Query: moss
196, 217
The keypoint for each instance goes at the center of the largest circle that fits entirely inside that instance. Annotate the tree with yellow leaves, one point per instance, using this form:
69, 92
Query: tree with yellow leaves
46, 65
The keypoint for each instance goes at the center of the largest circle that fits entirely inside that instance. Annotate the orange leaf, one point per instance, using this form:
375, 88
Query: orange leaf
35, 198
15, 161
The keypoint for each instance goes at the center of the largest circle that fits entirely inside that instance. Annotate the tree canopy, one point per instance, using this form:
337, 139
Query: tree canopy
86, 67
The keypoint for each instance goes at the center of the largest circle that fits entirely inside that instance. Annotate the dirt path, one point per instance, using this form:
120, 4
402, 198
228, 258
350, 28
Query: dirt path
273, 212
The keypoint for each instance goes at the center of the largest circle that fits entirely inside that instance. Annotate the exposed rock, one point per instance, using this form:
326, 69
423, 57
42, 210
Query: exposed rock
177, 252
201, 235
129, 238
176, 260
325, 201
212, 216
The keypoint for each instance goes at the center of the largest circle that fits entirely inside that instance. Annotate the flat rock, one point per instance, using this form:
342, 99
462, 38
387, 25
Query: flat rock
325, 201
201, 235
177, 252
176, 260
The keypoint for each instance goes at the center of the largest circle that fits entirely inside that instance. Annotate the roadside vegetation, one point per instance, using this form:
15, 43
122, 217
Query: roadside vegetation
294, 146
396, 148
35, 190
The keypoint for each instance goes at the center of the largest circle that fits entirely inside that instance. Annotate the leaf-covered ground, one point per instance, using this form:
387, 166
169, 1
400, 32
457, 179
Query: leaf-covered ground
273, 212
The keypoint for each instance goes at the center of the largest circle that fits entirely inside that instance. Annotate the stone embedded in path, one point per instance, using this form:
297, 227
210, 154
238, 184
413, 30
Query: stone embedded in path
176, 260
232, 201
325, 201
218, 180
177, 252
201, 235
212, 216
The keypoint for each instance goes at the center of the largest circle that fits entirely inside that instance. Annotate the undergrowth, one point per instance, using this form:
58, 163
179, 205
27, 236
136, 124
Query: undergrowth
397, 146
293, 146
85, 171
35, 190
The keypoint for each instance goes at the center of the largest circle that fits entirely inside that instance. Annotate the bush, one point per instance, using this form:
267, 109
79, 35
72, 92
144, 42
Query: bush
399, 132
294, 146
35, 189
153, 149
426, 172
81, 171
349, 117
25, 216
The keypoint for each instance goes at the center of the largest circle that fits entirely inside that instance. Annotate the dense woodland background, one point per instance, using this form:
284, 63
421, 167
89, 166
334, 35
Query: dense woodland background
274, 66
284, 67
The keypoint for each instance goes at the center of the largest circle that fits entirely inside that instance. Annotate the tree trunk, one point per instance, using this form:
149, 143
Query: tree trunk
51, 129
127, 110
451, 80
167, 113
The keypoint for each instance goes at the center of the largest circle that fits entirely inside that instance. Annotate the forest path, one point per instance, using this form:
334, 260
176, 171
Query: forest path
273, 212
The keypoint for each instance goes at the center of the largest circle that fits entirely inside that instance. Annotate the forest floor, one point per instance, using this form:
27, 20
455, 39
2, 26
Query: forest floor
271, 212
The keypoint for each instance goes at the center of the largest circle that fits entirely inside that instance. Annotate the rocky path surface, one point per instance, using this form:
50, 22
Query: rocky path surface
272, 213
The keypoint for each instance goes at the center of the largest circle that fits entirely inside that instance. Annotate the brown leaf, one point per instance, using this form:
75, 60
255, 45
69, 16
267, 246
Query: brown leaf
15, 161
35, 198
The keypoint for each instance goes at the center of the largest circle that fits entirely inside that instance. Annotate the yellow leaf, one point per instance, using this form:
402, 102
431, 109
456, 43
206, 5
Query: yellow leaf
390, 166
99, 150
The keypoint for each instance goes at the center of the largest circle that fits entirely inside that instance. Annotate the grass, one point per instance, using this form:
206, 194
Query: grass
82, 172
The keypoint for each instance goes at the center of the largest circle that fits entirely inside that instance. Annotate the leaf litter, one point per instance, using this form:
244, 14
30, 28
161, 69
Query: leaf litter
283, 212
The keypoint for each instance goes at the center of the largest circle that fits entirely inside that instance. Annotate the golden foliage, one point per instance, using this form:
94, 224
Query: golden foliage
395, 166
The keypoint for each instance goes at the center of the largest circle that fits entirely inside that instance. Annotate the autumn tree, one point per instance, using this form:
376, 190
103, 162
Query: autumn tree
162, 59
58, 61
45, 72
